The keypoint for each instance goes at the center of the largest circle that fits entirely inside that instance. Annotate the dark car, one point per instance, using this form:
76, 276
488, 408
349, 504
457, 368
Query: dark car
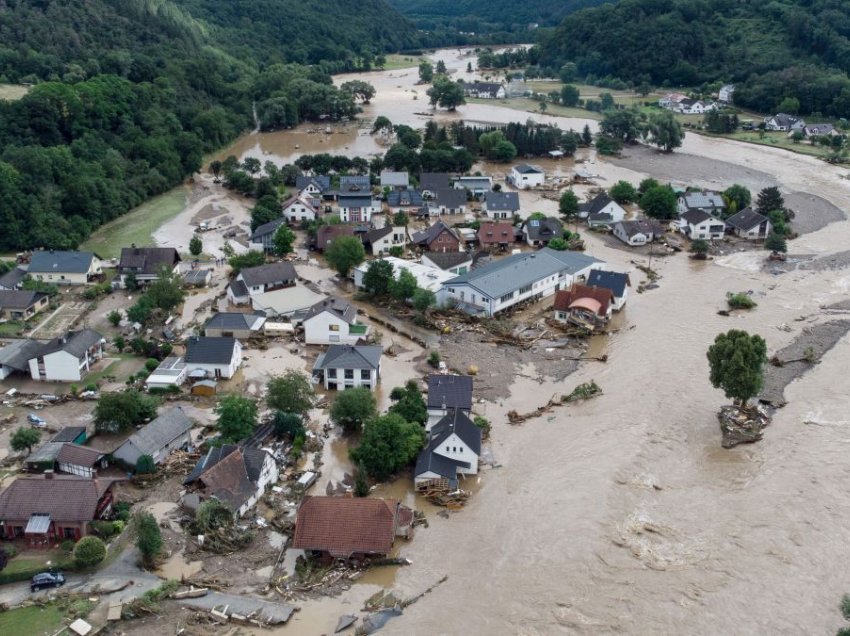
46, 579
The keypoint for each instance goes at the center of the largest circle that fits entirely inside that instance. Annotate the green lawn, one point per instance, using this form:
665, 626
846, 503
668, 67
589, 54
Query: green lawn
11, 92
396, 61
530, 106
11, 328
137, 226
32, 560
31, 621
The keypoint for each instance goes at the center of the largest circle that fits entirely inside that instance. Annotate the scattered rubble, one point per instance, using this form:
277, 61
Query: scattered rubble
741, 425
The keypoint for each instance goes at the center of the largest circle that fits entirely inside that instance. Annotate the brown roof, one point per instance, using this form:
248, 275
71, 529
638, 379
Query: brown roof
64, 497
495, 233
228, 481
78, 455
326, 234
343, 526
566, 297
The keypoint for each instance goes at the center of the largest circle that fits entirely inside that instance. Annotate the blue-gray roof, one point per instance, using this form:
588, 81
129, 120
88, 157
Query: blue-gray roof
321, 181
502, 201
704, 200
524, 168
204, 350
457, 422
615, 281
231, 320
513, 272
160, 432
350, 357
267, 228
355, 200
49, 262
450, 392
404, 198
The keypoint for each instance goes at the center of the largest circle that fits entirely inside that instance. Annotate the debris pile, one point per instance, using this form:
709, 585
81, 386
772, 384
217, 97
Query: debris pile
742, 425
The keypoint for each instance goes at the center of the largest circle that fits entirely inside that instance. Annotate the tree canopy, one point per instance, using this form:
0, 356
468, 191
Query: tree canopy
237, 418
115, 412
352, 407
389, 443
290, 392
737, 359
345, 253
409, 403
24, 439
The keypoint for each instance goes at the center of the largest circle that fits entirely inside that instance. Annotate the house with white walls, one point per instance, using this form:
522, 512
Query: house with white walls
333, 321
208, 357
452, 450
348, 366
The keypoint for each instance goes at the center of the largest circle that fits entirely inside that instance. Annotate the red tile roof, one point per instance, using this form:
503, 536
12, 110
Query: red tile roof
566, 297
495, 233
343, 526
228, 481
64, 497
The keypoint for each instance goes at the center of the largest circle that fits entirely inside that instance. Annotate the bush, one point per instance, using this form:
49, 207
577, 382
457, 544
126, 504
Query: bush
484, 424
89, 551
740, 301
433, 359
148, 536
67, 546
103, 529
121, 510
91, 386
145, 465
151, 364
845, 606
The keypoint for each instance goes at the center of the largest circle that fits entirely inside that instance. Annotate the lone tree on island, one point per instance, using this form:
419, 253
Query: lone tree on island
737, 365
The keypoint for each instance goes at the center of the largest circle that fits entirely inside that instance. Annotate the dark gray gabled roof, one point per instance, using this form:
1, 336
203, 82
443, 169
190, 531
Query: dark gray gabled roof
525, 168
615, 281
148, 259
231, 320
430, 233
350, 357
502, 201
52, 261
68, 434
696, 216
355, 200
321, 181
393, 178
160, 432
596, 204
74, 342
705, 199
12, 278
450, 392
433, 181
238, 288
447, 260
640, 226
254, 459
354, 182
208, 350
546, 229
457, 422
337, 306
451, 197
267, 228
265, 274
213, 456
19, 298
431, 462
17, 354
746, 219
374, 235
404, 198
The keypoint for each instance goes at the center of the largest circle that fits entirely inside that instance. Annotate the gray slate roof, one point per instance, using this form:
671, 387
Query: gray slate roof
696, 216
267, 228
74, 342
350, 357
49, 262
205, 350
68, 434
321, 181
500, 277
746, 219
19, 298
447, 260
450, 391
615, 281
544, 229
374, 235
160, 432
502, 201
524, 168
490, 88
457, 422
433, 181
349, 182
231, 320
404, 198
18, 354
640, 226
392, 178
12, 278
265, 274
337, 306
355, 200
451, 197
238, 288
596, 204
430, 233
149, 259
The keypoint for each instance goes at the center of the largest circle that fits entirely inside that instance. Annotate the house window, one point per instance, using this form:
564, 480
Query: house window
332, 373
334, 327
349, 374
506, 297
524, 290
447, 449
365, 374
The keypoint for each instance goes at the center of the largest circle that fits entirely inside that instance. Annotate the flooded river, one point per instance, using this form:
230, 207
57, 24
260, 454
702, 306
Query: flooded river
623, 514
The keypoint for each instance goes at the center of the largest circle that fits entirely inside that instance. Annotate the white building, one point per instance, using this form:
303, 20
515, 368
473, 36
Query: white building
255, 281
698, 224
333, 321
67, 358
430, 278
349, 366
726, 93
705, 200
447, 393
601, 210
382, 239
212, 357
357, 207
637, 232
501, 205
301, 208
526, 176
171, 372
478, 186
453, 450
616, 282
65, 268
749, 224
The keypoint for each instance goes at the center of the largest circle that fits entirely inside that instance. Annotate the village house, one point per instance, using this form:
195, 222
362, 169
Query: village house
326, 235
478, 186
167, 432
234, 325
601, 210
19, 304
255, 281
583, 306
14, 356
262, 238
784, 122
671, 100
200, 277
333, 321
637, 232
354, 183
286, 303
235, 475
313, 186
212, 357
438, 238
448, 201
749, 224
694, 107
67, 358
501, 205
394, 180
456, 263
65, 268
526, 176
497, 286
146, 263
13, 279
452, 449
698, 224
446, 394
350, 528
430, 278
484, 90
357, 207
346, 366
496, 235
705, 200
66, 457
380, 241
726, 93
538, 232
44, 510
171, 372
431, 182
404, 200
300, 208
819, 130
617, 283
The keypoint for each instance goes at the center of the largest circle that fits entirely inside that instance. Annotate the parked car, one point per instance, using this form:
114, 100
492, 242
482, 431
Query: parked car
46, 579
35, 420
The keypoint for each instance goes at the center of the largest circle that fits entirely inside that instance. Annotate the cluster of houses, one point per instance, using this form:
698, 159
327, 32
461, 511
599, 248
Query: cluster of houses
681, 103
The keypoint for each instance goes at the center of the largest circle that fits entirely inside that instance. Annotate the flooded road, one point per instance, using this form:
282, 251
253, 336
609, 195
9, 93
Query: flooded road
623, 514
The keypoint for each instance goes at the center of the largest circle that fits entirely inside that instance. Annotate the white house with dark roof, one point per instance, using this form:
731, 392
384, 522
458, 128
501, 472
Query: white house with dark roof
452, 262
501, 205
348, 366
404, 200
484, 90
431, 182
395, 180
234, 325
381, 240
262, 238
13, 279
169, 431
501, 284
448, 201
67, 358
333, 321
448, 393
784, 122
699, 224
637, 232
616, 282
21, 304
313, 185
478, 186
64, 267
254, 281
357, 207
749, 224
146, 263
300, 208
601, 210
705, 200
526, 176
212, 357
538, 232
453, 449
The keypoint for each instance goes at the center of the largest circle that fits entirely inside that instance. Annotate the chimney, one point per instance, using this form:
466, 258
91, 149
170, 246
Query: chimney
48, 474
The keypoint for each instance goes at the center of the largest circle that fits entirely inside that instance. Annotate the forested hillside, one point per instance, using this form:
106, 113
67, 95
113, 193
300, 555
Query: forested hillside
129, 95
773, 50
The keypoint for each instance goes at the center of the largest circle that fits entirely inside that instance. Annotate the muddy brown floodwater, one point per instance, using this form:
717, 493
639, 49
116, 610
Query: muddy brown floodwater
623, 514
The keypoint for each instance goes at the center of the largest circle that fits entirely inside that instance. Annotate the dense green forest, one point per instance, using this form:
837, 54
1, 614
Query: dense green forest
129, 96
482, 21
772, 50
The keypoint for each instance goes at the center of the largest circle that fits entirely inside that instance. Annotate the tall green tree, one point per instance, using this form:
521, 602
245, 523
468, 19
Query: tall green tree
115, 412
290, 392
665, 131
237, 418
345, 253
403, 286
148, 537
739, 195
409, 403
621, 124
768, 200
737, 364
659, 202
568, 205
352, 407
24, 439
623, 192
196, 246
378, 278
570, 96
426, 71
389, 443
283, 240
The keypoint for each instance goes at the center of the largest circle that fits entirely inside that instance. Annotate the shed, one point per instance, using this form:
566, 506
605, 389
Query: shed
206, 388
158, 438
